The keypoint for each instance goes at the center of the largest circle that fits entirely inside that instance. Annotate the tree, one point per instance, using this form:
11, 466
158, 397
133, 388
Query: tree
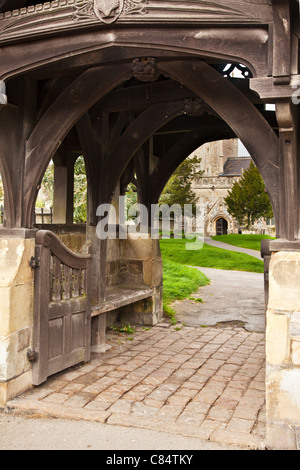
80, 189
178, 190
248, 200
1, 190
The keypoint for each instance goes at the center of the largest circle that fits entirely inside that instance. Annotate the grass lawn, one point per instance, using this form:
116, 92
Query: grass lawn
209, 257
245, 241
181, 280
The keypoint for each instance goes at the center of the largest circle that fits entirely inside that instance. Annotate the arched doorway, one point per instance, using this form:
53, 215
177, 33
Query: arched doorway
221, 226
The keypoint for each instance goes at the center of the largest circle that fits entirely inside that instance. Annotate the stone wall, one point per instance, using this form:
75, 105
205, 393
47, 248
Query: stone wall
135, 262
16, 315
283, 351
217, 180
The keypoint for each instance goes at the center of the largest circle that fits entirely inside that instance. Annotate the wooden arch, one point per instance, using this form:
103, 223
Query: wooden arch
181, 149
236, 110
219, 93
137, 133
62, 115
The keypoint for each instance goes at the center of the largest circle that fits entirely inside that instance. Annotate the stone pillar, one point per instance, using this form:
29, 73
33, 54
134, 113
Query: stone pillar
16, 312
283, 347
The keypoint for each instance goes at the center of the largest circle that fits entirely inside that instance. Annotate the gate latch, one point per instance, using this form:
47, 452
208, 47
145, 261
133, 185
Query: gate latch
34, 262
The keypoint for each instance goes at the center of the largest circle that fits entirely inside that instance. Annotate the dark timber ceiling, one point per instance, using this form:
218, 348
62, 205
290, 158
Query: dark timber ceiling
7, 5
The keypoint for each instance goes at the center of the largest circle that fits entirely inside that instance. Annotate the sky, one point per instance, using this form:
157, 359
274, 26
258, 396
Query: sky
242, 150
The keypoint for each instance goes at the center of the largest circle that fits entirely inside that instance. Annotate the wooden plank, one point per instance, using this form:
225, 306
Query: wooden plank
142, 96
62, 16
65, 307
117, 297
135, 136
281, 42
56, 330
236, 110
41, 302
61, 116
64, 361
269, 92
62, 323
78, 330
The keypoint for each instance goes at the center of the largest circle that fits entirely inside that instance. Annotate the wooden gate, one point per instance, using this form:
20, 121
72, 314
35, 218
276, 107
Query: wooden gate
62, 318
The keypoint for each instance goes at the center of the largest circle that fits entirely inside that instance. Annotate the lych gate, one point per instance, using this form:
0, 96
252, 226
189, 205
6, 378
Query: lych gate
135, 86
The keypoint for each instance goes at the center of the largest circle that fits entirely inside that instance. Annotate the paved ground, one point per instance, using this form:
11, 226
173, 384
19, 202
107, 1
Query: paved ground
189, 386
202, 383
231, 295
21, 433
226, 246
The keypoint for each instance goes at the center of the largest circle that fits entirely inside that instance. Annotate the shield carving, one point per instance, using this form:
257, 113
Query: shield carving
108, 11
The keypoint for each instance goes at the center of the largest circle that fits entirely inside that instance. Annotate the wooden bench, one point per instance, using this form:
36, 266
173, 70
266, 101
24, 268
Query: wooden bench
119, 296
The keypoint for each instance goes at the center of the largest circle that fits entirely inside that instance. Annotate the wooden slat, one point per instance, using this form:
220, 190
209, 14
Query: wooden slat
120, 296
62, 326
66, 360
41, 322
65, 307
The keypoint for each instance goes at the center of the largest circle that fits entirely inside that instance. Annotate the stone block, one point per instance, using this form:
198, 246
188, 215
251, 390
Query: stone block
277, 333
153, 273
24, 338
74, 241
113, 249
280, 436
16, 308
16, 315
13, 360
15, 387
283, 395
295, 352
295, 324
15, 255
136, 249
284, 281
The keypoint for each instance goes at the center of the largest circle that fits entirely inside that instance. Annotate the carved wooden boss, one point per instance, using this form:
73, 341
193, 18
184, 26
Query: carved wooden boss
136, 85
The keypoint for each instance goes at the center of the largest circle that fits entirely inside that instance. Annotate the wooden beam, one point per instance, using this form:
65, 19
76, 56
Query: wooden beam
281, 42
287, 115
62, 115
236, 110
143, 96
180, 151
135, 135
89, 149
9, 5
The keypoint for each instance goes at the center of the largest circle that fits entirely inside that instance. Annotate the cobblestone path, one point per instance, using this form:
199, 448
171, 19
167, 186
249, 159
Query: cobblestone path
205, 382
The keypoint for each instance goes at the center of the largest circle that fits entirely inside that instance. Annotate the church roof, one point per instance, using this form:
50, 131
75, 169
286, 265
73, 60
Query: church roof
234, 166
